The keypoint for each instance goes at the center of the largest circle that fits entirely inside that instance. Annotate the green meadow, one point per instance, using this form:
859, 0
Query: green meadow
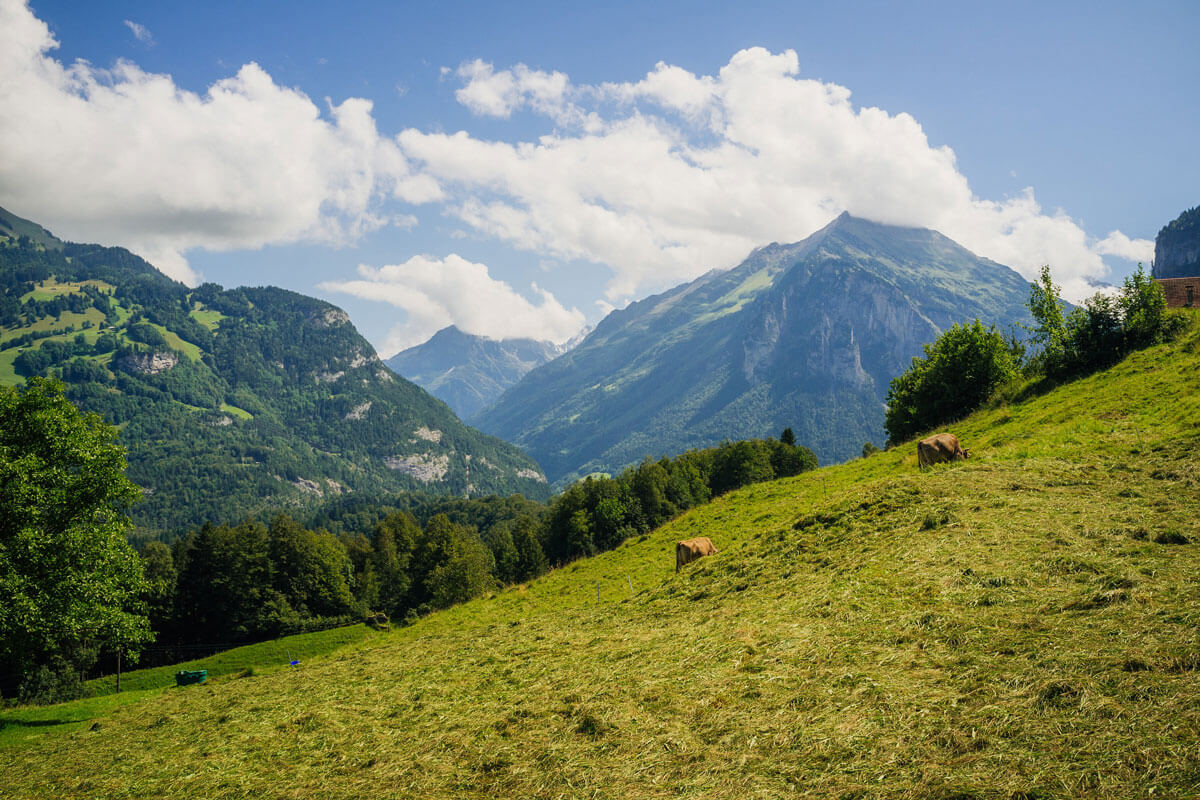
1025, 624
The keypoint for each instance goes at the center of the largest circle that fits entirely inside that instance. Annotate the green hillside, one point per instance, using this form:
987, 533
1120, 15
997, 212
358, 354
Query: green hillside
231, 402
1020, 625
805, 335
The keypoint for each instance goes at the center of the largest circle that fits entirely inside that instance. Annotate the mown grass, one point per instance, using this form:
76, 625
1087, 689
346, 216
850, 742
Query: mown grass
1024, 624
253, 657
19, 725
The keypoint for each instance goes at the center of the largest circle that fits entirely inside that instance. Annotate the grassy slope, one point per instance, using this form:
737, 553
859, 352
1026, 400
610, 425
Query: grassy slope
1018, 625
19, 725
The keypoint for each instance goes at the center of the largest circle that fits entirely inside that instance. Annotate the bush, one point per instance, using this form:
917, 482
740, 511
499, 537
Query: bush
959, 372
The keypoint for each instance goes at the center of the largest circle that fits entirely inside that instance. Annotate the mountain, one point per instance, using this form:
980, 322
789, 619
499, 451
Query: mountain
470, 372
231, 402
1177, 247
804, 335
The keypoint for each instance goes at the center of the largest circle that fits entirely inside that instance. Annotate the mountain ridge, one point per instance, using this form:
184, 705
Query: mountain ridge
232, 402
469, 372
804, 335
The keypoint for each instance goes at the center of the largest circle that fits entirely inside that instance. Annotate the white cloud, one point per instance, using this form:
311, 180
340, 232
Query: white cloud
1119, 245
498, 94
668, 177
127, 157
435, 293
140, 32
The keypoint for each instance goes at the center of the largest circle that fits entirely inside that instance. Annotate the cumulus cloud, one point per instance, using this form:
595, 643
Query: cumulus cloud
498, 94
126, 157
665, 178
1119, 245
436, 292
140, 32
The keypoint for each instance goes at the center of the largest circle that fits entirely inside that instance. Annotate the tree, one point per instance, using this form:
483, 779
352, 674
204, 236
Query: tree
959, 372
396, 536
1101, 331
1046, 306
788, 437
1143, 308
531, 559
69, 581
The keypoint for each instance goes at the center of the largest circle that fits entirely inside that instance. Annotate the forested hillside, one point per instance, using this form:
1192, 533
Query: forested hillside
231, 402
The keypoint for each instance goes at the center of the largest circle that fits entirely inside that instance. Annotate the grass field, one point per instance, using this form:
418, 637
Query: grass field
1025, 624
18, 726
207, 317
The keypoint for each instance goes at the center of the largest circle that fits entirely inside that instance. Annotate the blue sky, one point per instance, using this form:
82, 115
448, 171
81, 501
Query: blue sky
518, 169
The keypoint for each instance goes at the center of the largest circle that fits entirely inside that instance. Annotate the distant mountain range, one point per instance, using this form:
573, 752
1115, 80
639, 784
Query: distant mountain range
470, 372
230, 402
805, 335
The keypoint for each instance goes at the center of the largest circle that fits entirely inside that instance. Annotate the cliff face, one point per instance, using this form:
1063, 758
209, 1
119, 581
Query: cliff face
1177, 247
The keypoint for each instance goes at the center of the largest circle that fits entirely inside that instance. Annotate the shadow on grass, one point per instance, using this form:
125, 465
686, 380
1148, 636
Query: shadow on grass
33, 723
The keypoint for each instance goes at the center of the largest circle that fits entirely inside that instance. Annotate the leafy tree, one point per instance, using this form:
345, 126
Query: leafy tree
310, 569
1143, 308
68, 578
788, 459
959, 372
869, 449
158, 566
395, 539
531, 558
225, 592
465, 574
1101, 331
740, 463
499, 540
1046, 305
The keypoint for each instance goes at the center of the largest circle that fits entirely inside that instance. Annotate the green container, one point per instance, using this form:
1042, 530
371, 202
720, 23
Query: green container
189, 676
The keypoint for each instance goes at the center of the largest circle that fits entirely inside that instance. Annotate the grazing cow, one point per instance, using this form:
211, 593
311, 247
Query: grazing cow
939, 448
689, 550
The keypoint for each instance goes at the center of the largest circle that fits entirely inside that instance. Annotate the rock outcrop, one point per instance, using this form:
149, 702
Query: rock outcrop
1177, 247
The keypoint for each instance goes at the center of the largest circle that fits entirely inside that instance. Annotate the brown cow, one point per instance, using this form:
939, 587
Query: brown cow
939, 448
689, 550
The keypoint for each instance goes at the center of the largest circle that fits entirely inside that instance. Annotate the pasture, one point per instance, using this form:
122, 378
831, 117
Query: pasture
1019, 625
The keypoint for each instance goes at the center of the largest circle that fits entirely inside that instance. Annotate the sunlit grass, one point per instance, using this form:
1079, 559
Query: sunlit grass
1023, 624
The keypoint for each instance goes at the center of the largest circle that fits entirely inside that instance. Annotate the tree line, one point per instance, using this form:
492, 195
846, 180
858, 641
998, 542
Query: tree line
258, 580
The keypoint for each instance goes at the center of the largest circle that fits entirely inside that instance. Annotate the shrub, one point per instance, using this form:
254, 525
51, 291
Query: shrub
959, 372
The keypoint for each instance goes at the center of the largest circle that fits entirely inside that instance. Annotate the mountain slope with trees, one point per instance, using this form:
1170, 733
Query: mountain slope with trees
231, 402
806, 335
